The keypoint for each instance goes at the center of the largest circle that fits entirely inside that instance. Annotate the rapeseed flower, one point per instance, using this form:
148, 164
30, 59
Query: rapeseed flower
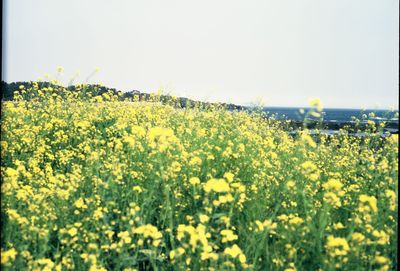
216, 185
141, 183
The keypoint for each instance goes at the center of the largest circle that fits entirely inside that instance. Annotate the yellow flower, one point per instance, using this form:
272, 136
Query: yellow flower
260, 226
48, 264
337, 246
195, 161
296, 220
176, 253
394, 139
228, 236
316, 102
149, 231
209, 255
290, 184
382, 236
310, 170
8, 255
73, 231
80, 203
368, 201
194, 181
392, 198
204, 218
291, 267
124, 236
283, 217
308, 140
381, 260
137, 188
332, 199
242, 258
358, 237
333, 184
338, 226
290, 250
225, 199
216, 185
130, 141
229, 176
233, 251
158, 132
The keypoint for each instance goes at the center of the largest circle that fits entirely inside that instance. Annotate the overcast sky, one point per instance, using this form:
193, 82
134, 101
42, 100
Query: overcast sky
278, 52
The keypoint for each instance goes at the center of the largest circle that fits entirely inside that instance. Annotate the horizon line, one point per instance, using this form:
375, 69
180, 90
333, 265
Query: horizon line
244, 104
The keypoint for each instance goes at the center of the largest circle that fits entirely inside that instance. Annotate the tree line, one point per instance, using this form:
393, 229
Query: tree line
9, 89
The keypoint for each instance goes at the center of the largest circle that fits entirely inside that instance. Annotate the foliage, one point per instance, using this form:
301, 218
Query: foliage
92, 90
91, 182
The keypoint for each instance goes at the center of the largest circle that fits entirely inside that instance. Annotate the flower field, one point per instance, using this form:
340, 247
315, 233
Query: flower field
100, 184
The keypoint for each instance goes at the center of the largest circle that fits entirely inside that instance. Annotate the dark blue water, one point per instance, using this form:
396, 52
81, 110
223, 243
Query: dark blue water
334, 115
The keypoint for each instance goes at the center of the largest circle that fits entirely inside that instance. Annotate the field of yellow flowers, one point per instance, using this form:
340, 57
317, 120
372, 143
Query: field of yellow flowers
100, 184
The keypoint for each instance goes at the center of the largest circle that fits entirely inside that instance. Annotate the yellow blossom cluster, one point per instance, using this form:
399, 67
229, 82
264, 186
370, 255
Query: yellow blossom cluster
93, 182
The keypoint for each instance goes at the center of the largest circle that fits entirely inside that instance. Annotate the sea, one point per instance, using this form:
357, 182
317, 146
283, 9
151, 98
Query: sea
336, 117
334, 114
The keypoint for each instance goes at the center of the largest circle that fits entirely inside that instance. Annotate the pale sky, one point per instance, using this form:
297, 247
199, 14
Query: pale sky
279, 52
